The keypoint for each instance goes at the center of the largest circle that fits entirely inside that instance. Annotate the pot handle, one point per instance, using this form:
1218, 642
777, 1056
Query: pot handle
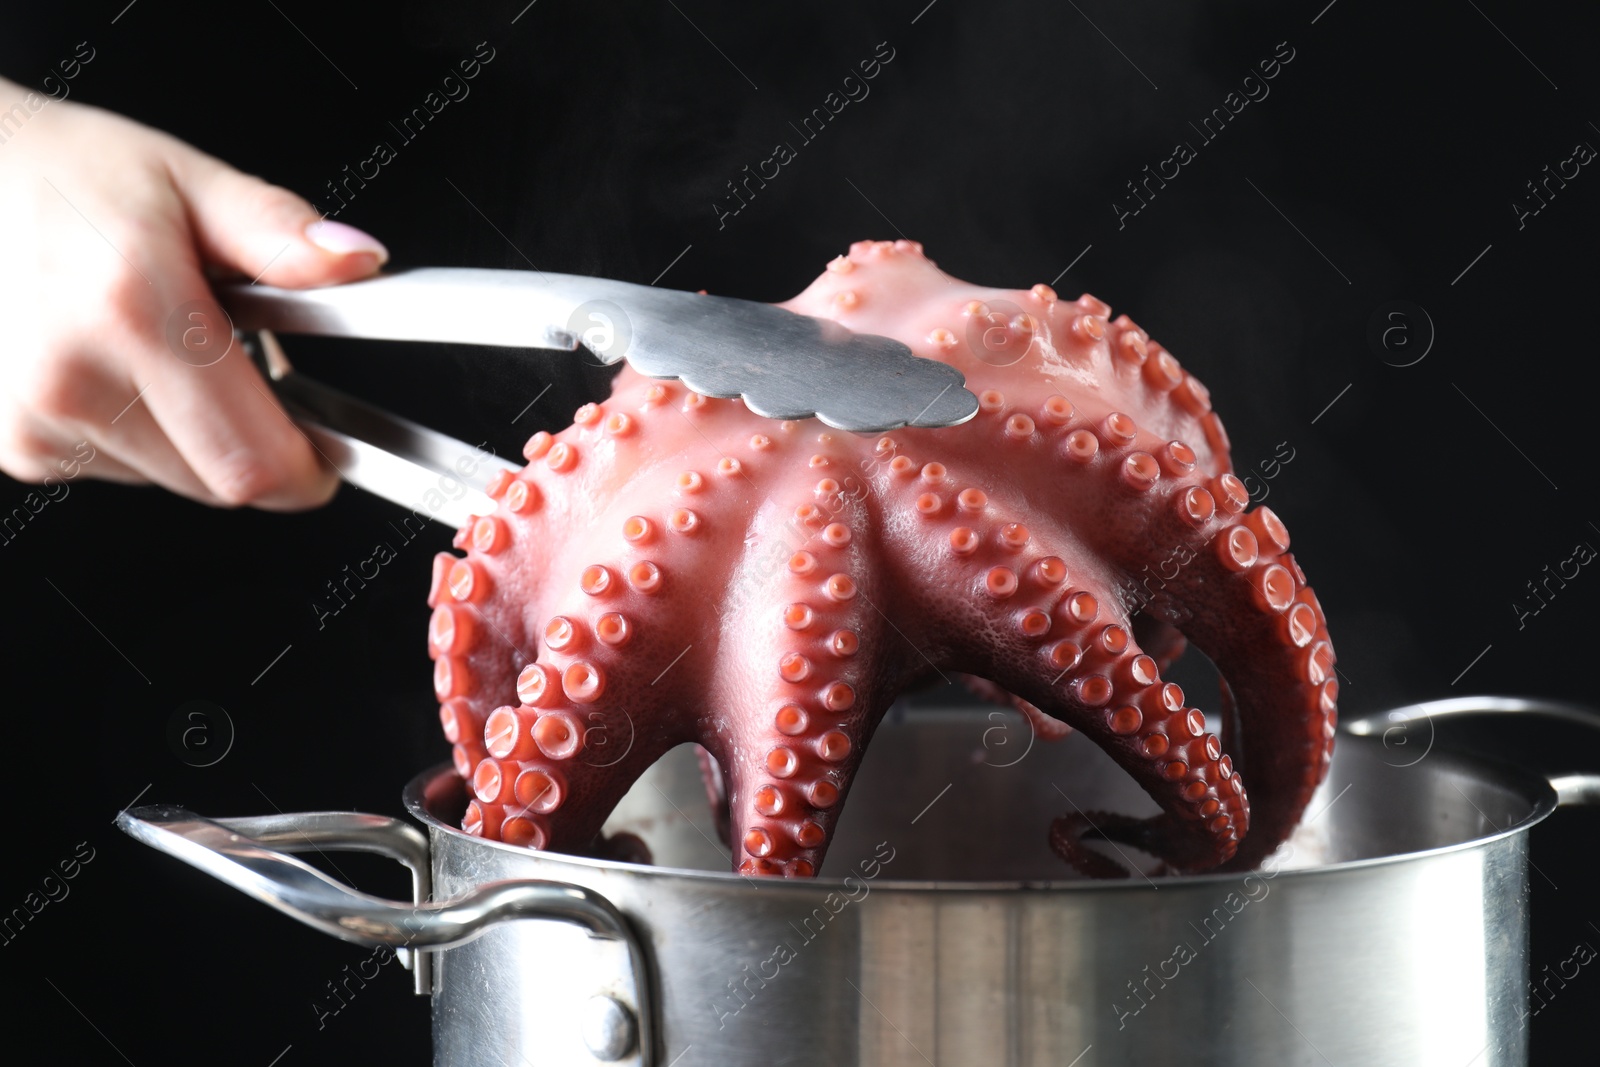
250, 854
1582, 788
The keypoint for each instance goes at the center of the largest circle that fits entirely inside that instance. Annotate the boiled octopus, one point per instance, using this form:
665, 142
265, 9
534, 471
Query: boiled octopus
673, 568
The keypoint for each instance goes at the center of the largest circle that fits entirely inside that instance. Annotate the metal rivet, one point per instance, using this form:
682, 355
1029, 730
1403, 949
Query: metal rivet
608, 1028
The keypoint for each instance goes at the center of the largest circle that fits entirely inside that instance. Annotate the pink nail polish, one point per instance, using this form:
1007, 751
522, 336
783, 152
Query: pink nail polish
342, 240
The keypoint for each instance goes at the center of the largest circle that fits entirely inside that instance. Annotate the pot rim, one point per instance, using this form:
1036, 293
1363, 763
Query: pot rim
1535, 788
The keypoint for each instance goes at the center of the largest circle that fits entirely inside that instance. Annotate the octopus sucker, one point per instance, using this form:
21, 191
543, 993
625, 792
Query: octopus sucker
673, 569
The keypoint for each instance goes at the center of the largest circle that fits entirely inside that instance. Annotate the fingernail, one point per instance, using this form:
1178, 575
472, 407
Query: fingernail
343, 240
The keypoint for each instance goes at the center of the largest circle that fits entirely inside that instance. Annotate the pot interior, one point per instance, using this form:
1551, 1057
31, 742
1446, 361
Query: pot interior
968, 794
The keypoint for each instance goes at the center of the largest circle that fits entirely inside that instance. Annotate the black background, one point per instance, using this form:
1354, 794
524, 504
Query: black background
1421, 501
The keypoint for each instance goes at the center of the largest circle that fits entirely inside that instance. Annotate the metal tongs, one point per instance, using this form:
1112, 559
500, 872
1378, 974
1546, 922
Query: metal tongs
783, 365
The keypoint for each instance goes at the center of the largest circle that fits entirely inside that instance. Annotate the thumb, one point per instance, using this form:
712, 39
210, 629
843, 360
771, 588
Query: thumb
266, 232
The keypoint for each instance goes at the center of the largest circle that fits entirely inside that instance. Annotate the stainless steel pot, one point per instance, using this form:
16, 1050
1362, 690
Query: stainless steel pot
1393, 928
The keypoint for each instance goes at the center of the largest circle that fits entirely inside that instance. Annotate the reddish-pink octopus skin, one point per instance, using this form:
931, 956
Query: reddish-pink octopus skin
672, 568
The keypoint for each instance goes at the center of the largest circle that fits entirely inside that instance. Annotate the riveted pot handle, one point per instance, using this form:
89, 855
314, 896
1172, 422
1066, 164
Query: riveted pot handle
1582, 788
252, 856
1380, 723
1576, 790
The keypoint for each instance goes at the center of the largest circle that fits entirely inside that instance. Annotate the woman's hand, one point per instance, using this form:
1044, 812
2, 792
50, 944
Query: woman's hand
108, 330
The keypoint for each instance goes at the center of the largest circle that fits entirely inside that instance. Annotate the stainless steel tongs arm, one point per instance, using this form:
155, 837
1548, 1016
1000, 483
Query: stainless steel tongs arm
508, 308
429, 473
782, 364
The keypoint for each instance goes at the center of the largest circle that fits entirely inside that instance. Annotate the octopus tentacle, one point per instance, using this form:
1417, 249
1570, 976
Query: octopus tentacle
568, 705
1089, 671
800, 697
1228, 580
1059, 639
582, 723
1262, 625
1218, 576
